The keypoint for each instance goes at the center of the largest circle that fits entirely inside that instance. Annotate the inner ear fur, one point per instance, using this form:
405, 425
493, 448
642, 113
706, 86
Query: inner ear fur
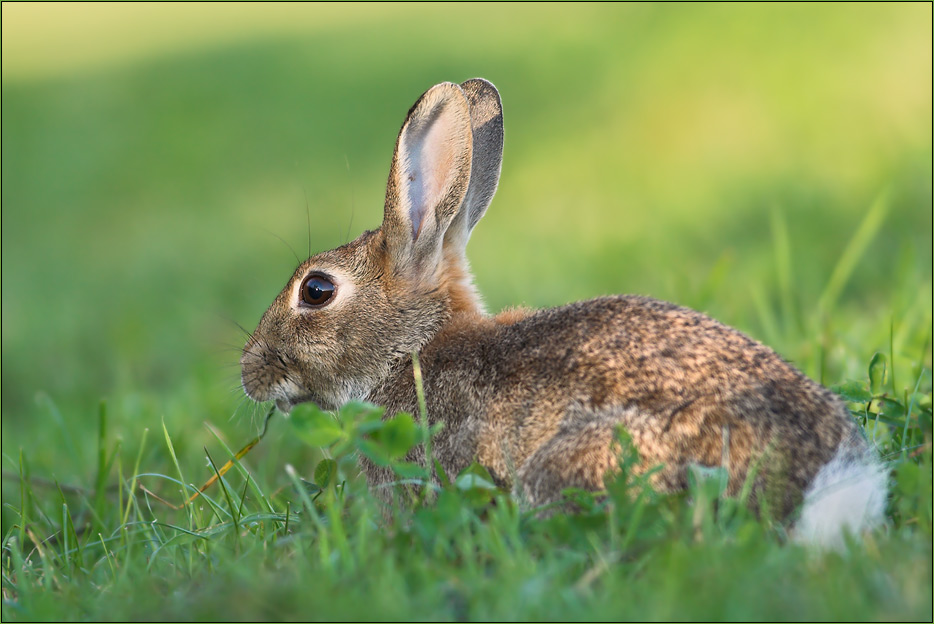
428, 179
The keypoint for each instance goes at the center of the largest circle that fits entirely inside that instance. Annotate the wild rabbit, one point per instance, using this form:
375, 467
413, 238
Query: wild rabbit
536, 396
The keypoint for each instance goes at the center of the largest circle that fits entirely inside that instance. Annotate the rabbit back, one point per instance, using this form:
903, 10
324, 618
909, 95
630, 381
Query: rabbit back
556, 383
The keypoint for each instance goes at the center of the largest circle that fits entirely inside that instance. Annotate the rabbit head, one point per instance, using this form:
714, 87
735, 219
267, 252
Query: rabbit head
347, 315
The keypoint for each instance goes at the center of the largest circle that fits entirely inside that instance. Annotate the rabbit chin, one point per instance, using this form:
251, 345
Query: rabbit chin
289, 395
285, 405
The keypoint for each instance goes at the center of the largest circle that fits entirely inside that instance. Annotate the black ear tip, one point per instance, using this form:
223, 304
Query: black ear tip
477, 82
479, 88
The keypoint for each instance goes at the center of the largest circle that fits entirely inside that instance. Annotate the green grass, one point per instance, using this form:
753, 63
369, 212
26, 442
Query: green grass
324, 549
767, 164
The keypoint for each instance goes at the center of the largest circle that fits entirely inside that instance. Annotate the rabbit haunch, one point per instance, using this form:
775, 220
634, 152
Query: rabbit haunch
536, 397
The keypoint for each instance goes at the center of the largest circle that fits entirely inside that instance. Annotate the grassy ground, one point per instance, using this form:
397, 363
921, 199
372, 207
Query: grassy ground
770, 165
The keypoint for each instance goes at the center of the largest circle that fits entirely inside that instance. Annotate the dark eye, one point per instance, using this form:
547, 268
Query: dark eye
317, 290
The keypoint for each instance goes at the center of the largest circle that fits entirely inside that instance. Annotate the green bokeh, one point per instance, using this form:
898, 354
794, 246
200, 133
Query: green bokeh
649, 149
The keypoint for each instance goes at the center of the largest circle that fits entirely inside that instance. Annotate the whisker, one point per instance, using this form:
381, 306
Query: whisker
243, 329
350, 179
307, 217
286, 243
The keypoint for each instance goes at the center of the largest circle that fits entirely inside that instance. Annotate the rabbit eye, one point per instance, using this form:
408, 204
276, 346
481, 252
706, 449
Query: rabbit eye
317, 290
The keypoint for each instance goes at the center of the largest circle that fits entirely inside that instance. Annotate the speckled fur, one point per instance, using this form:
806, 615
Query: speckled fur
535, 396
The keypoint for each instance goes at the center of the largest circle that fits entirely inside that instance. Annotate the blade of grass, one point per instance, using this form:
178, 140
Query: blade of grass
70, 543
216, 508
223, 485
765, 314
242, 501
323, 545
50, 576
178, 468
24, 493
102, 468
911, 406
423, 418
17, 568
109, 557
783, 270
713, 280
236, 461
334, 509
132, 488
90, 510
853, 252
60, 422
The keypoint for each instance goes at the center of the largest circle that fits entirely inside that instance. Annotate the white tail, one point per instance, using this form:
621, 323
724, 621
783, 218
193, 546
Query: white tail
847, 494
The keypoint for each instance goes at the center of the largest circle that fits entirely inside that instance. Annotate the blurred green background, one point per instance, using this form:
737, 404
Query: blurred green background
721, 156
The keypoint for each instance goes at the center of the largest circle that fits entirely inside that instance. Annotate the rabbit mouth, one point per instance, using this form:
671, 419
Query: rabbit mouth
287, 393
286, 404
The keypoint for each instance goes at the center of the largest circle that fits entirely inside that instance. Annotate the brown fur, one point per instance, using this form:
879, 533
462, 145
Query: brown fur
533, 396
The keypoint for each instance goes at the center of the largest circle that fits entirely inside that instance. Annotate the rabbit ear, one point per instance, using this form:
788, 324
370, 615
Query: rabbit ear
486, 122
428, 180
